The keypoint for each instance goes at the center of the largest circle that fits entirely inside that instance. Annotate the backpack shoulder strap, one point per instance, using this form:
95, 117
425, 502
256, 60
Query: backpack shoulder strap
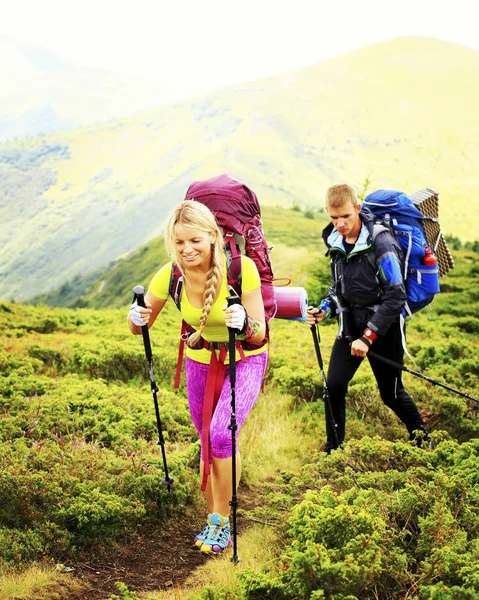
382, 226
233, 264
379, 227
176, 285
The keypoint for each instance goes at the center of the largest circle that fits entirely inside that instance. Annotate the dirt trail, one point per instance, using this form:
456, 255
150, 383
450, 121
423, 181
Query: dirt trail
153, 560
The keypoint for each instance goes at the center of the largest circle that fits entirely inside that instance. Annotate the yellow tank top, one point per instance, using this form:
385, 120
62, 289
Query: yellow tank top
215, 329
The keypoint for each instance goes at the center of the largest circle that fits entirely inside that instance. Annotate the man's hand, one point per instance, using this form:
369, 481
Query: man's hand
359, 348
314, 315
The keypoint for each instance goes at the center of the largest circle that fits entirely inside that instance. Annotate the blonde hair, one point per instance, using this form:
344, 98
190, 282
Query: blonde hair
340, 194
196, 215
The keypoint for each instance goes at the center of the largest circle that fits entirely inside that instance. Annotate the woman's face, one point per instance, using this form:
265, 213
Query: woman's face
193, 245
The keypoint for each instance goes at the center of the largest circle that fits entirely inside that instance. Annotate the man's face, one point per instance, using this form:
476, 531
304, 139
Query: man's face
345, 218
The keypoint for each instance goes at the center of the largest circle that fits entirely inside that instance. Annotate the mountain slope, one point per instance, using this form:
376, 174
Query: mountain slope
402, 112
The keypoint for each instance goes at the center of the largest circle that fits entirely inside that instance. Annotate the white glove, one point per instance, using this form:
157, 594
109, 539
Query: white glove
135, 315
238, 316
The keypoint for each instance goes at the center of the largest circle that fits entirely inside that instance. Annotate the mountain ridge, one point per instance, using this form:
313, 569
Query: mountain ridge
368, 116
44, 92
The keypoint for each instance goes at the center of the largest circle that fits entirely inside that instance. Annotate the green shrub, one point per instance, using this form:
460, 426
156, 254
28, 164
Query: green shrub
49, 357
126, 594
468, 324
299, 382
392, 519
80, 463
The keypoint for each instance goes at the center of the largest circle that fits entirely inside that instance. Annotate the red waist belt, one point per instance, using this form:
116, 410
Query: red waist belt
214, 384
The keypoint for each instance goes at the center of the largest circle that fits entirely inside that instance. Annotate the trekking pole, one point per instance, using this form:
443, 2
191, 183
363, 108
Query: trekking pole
233, 425
327, 401
139, 296
418, 374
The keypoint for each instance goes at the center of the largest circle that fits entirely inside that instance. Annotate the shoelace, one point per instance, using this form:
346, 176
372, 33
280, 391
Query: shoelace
204, 533
211, 531
221, 535
224, 535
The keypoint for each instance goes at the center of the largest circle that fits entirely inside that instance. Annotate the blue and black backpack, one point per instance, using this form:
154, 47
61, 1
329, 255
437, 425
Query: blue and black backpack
400, 215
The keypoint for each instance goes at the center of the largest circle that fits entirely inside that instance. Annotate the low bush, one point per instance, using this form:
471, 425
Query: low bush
383, 520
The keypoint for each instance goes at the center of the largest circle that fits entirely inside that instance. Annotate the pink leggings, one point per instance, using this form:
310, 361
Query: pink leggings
249, 377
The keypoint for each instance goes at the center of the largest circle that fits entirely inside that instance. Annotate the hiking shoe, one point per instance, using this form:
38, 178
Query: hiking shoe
219, 535
201, 537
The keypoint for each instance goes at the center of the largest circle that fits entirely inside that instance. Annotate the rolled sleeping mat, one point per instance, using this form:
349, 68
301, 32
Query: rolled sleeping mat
292, 303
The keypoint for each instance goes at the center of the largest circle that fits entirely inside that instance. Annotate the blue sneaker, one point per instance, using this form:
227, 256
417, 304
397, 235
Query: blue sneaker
218, 536
201, 537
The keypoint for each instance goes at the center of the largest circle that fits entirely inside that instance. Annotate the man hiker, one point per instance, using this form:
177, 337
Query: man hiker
367, 295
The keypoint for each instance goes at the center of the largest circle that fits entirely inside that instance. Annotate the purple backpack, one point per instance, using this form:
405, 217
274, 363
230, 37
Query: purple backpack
238, 214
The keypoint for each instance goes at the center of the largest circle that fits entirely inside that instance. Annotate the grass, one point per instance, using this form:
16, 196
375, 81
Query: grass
37, 582
269, 439
284, 431
269, 443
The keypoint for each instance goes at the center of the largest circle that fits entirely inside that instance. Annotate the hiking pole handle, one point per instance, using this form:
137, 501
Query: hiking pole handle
233, 300
232, 340
139, 292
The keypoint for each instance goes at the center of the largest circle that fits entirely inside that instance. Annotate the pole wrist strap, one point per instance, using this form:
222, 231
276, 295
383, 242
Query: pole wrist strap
250, 330
366, 341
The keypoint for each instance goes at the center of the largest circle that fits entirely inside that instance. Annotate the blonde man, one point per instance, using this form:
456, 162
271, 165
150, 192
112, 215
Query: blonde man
367, 295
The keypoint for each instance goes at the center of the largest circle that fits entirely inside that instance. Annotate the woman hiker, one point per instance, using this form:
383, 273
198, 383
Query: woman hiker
195, 244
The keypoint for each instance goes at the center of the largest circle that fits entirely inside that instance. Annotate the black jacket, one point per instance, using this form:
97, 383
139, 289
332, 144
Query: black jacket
368, 280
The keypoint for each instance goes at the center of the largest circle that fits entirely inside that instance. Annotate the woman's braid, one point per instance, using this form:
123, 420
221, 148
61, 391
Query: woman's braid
212, 284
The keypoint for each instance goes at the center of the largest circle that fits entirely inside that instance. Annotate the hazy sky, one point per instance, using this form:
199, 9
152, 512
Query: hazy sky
216, 42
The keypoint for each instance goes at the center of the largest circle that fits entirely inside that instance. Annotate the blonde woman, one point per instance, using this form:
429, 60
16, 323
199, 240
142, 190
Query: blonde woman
195, 245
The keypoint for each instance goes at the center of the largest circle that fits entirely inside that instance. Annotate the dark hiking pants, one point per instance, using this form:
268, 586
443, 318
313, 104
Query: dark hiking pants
343, 366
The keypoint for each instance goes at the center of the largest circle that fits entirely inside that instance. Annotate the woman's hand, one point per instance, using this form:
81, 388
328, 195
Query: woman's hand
235, 316
138, 315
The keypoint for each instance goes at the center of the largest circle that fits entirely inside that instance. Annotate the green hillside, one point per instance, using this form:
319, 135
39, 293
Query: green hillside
402, 112
82, 470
